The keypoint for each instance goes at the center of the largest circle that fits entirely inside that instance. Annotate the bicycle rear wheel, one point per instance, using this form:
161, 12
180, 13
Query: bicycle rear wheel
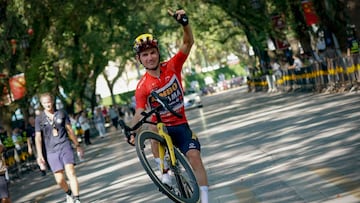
184, 187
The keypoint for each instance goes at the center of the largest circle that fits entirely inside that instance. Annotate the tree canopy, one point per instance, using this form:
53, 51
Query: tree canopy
63, 46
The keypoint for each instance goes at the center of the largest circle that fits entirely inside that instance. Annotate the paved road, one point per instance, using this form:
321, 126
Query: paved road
257, 147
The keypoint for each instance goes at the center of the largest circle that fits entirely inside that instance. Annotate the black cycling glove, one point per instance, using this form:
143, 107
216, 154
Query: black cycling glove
128, 136
184, 20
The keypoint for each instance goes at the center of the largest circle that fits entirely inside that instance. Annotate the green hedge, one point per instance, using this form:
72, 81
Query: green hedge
123, 98
228, 71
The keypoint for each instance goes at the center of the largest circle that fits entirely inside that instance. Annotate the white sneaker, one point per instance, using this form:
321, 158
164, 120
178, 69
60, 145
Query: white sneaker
77, 201
165, 179
69, 199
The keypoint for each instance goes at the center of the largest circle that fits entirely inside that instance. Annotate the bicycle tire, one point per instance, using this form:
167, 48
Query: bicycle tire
184, 187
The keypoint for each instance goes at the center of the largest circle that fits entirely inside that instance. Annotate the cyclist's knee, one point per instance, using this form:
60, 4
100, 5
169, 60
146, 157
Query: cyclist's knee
193, 156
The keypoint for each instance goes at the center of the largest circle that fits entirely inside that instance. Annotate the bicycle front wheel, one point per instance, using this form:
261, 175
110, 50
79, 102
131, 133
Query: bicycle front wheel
183, 186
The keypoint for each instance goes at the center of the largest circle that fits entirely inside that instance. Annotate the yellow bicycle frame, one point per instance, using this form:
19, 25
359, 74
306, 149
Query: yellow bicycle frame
163, 133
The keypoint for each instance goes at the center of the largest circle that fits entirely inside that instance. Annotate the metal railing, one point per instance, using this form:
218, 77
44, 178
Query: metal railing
333, 75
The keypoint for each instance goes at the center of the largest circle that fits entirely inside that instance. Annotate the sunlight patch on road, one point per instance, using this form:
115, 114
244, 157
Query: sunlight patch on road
40, 194
346, 184
244, 194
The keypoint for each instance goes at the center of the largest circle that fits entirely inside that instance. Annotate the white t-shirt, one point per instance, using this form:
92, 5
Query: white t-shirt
298, 64
84, 122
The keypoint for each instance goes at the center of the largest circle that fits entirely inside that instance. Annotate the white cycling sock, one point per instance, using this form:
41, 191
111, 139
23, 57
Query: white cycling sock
166, 166
204, 194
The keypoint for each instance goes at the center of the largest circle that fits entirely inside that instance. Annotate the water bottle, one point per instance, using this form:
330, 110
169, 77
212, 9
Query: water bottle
7, 178
42, 166
80, 156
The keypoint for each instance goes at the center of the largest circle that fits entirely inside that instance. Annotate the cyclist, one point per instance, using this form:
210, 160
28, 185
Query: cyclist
165, 79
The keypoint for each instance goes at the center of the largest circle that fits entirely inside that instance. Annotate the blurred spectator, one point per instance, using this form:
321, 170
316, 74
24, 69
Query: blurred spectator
297, 63
353, 46
3, 135
249, 83
121, 112
30, 135
85, 126
330, 55
133, 105
99, 121
17, 138
113, 114
276, 75
296, 69
105, 114
4, 189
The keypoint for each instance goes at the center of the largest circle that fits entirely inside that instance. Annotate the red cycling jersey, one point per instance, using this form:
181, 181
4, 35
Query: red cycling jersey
167, 85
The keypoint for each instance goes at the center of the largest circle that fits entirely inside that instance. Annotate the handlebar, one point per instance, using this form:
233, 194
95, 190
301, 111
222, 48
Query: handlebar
164, 103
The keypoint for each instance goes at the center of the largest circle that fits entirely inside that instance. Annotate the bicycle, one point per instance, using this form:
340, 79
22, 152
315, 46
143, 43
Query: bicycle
184, 187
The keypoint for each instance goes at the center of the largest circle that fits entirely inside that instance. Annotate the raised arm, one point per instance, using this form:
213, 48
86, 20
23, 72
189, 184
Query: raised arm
188, 38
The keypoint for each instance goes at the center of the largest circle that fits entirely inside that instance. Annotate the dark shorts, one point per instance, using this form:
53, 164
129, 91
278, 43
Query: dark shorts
183, 138
57, 160
4, 190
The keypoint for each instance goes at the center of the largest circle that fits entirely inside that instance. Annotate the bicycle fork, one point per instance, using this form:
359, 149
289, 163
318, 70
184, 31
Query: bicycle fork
163, 133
